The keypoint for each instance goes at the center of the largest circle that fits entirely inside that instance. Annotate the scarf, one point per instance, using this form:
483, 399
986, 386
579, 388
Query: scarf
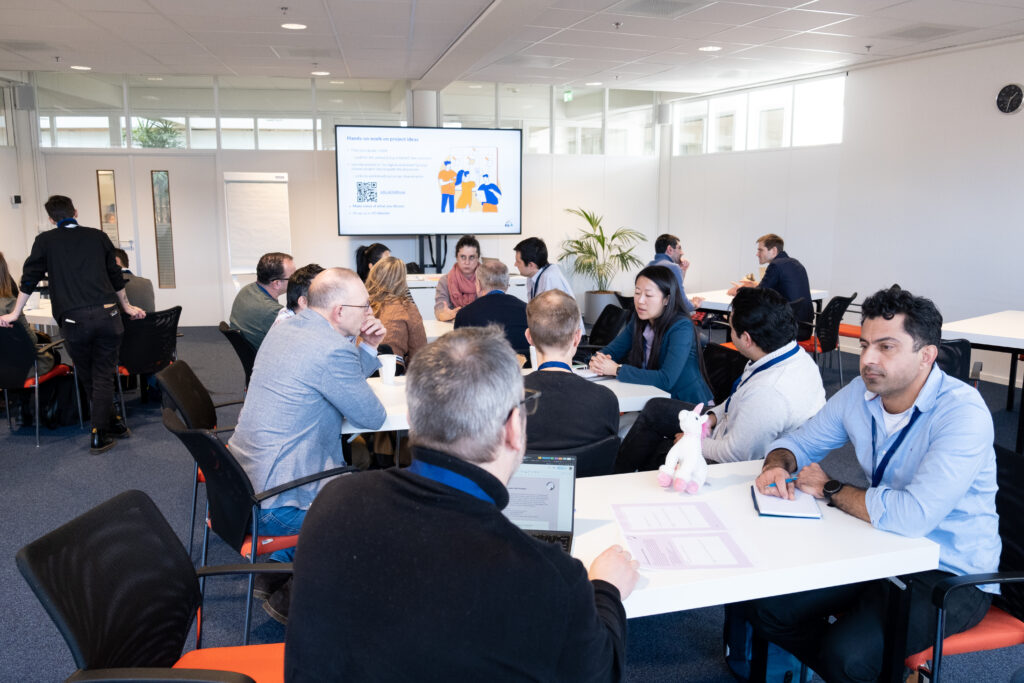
461, 289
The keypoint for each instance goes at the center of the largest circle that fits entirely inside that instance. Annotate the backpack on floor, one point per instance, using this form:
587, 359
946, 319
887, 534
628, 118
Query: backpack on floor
741, 649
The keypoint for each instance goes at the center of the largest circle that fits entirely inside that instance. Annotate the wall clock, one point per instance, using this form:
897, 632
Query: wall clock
1010, 98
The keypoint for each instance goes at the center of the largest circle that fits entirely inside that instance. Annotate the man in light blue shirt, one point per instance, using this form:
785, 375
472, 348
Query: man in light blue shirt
924, 441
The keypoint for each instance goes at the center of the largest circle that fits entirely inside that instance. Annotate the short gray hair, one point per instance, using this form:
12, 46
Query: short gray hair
492, 274
330, 287
460, 390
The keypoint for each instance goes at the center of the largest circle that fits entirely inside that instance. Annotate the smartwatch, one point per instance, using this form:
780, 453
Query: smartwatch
831, 488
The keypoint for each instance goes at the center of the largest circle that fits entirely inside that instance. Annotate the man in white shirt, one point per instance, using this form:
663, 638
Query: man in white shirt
779, 390
532, 262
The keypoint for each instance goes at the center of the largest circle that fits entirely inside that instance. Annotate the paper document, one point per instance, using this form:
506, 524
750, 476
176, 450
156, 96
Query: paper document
684, 535
802, 505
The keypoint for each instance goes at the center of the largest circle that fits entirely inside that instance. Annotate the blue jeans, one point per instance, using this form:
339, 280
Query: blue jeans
282, 521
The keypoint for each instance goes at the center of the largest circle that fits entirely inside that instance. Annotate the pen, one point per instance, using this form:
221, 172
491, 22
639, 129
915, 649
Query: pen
787, 481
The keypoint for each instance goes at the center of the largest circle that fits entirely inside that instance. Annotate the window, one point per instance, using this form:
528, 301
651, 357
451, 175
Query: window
728, 124
579, 118
689, 127
162, 109
770, 118
528, 107
630, 123
82, 110
468, 105
284, 133
4, 98
818, 111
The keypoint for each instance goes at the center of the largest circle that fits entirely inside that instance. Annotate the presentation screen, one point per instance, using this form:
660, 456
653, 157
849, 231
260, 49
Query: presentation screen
429, 181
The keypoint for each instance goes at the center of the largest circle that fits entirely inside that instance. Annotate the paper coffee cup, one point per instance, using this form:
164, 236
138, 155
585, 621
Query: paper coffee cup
388, 364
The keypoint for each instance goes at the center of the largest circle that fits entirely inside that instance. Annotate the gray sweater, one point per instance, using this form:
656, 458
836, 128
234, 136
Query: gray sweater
307, 377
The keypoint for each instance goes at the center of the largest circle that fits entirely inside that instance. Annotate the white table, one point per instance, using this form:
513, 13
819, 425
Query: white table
422, 289
719, 300
437, 328
1002, 331
632, 397
42, 315
787, 555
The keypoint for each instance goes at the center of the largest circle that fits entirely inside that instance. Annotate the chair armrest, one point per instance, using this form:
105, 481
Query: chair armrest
157, 675
221, 430
229, 403
270, 493
944, 587
257, 568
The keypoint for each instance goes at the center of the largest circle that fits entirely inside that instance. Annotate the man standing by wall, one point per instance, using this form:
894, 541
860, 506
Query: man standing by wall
434, 557
85, 287
255, 307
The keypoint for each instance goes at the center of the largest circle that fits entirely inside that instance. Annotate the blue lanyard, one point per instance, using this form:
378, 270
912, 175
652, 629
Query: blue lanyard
554, 364
876, 476
536, 283
774, 361
67, 222
449, 478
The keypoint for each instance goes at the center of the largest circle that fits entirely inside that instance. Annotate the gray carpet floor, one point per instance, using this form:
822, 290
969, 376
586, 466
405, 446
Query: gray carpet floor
43, 487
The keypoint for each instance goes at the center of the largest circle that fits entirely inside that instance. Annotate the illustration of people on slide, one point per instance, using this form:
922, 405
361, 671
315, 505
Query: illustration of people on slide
446, 181
491, 195
464, 186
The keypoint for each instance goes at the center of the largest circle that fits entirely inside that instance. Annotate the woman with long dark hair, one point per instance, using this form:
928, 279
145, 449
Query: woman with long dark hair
367, 256
659, 345
8, 297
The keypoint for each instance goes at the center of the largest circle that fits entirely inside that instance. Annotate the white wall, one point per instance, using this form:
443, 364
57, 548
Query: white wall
12, 235
925, 190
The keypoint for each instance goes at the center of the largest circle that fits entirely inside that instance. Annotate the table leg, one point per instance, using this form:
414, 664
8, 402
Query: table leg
1020, 431
896, 631
1012, 384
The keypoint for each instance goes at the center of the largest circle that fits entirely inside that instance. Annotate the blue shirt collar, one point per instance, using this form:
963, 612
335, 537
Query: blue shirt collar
926, 398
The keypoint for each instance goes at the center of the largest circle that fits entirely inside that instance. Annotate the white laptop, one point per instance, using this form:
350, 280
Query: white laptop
541, 497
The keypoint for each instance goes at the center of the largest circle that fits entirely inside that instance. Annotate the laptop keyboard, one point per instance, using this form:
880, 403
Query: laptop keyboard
554, 538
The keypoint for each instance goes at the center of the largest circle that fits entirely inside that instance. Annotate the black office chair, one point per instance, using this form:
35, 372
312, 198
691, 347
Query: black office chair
1003, 625
954, 359
148, 346
233, 504
592, 459
722, 366
243, 349
825, 333
18, 356
117, 584
605, 329
183, 392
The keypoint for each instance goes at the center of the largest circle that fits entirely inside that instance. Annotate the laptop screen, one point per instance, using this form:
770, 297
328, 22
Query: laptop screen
541, 493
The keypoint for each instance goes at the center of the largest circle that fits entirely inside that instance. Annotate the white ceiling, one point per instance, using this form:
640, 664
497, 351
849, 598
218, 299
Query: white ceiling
641, 44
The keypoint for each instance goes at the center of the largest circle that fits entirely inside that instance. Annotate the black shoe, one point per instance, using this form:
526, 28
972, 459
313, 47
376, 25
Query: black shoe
277, 605
118, 429
101, 443
265, 585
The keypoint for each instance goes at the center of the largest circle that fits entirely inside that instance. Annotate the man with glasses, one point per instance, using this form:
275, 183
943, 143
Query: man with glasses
255, 307
309, 375
425, 553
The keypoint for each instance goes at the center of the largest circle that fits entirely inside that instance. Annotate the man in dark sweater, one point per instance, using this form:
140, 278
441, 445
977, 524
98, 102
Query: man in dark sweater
572, 411
788, 277
434, 558
85, 287
494, 306
139, 289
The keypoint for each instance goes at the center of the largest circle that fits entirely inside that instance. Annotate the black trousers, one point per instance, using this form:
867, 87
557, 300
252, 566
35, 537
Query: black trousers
651, 436
851, 648
93, 336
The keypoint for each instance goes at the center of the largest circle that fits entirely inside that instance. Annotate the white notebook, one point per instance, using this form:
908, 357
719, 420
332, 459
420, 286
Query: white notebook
802, 505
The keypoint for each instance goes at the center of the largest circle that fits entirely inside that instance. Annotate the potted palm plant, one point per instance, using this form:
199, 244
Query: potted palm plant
598, 255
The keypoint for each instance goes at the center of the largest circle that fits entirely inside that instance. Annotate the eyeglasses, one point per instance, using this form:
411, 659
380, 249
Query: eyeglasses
529, 403
365, 306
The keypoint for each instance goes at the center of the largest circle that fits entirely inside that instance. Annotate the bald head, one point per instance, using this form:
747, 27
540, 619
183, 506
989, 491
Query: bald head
332, 287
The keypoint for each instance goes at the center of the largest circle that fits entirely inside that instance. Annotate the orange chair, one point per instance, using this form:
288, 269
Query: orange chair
18, 352
1003, 625
118, 585
232, 503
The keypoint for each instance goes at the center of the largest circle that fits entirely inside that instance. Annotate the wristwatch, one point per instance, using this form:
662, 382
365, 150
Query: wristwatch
831, 488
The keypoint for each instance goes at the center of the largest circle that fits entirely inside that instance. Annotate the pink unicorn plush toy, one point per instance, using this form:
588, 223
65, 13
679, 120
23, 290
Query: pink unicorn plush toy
685, 468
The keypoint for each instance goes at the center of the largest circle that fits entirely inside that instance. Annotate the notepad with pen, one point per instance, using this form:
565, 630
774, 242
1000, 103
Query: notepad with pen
803, 505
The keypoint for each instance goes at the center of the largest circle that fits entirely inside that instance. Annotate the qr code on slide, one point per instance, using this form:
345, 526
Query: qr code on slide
366, 192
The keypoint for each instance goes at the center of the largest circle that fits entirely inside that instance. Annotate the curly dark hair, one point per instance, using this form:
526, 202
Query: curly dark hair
922, 320
765, 315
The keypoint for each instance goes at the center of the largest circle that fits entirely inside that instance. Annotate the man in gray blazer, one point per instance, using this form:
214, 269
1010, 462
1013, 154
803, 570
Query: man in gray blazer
309, 375
139, 289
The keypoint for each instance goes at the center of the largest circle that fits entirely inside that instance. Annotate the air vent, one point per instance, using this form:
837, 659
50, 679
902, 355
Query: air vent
532, 62
923, 32
657, 9
308, 54
26, 46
